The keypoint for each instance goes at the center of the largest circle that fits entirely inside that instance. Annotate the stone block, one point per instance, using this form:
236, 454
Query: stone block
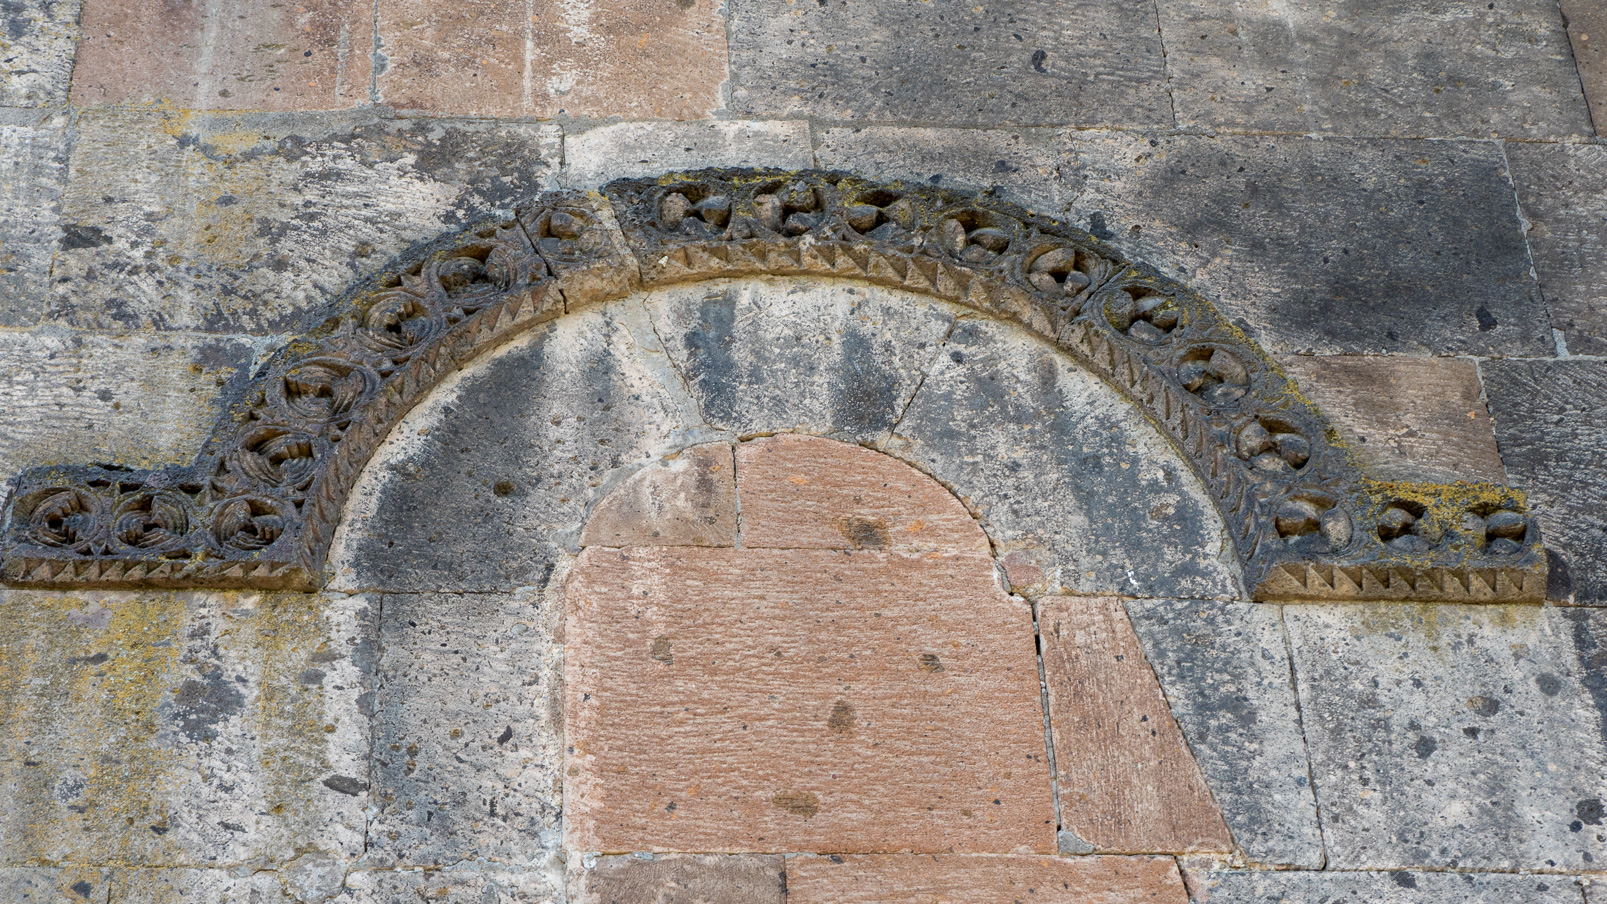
464, 884
467, 728
1587, 31
1450, 736
138, 400
183, 729
1126, 780
1022, 62
1037, 448
800, 700
316, 55
680, 879
36, 51
252, 223
33, 169
881, 879
1408, 418
1343, 246
600, 155
768, 356
1365, 67
1549, 421
480, 487
1394, 887
810, 493
51, 885
1224, 668
204, 886
688, 499
1024, 165
1562, 189
467, 59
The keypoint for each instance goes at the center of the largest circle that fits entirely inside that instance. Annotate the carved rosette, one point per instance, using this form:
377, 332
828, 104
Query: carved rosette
260, 505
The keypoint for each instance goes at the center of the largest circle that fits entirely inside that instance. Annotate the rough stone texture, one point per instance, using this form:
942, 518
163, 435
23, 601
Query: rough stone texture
1451, 736
1587, 30
467, 730
765, 356
1126, 779
1408, 418
41, 885
134, 400
803, 492
313, 55
1342, 246
886, 879
1365, 67
800, 700
182, 729
1549, 418
36, 51
202, 886
680, 879
1023, 62
1024, 166
1224, 668
548, 422
1037, 448
1396, 887
249, 223
33, 168
1563, 191
467, 58
465, 884
620, 150
686, 500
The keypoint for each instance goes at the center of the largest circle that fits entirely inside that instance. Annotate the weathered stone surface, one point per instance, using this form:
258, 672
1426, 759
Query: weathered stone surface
36, 51
1450, 736
248, 223
467, 730
955, 877
811, 493
1343, 246
465, 884
1395, 887
1408, 418
1126, 780
479, 487
453, 58
1038, 448
768, 356
1024, 166
135, 400
1587, 30
800, 700
1224, 668
689, 499
48, 885
1026, 62
314, 55
1563, 191
33, 168
1549, 421
1364, 67
603, 154
680, 879
183, 729
212, 886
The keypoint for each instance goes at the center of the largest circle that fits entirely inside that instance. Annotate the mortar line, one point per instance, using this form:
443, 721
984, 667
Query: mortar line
1305, 742
1166, 63
920, 381
1523, 229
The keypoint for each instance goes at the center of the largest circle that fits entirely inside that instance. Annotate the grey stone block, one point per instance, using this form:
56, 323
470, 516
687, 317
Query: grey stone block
37, 39
202, 886
1225, 670
1038, 448
680, 879
1551, 425
1329, 247
1451, 736
1395, 887
1022, 62
50, 885
1563, 191
770, 356
1025, 166
247, 223
1374, 67
620, 150
33, 169
468, 731
467, 884
479, 487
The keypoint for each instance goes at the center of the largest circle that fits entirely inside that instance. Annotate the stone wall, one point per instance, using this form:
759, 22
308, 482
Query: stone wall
1405, 202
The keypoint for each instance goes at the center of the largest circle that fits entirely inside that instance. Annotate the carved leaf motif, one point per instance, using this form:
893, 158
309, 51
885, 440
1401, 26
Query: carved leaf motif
65, 518
153, 522
248, 523
324, 390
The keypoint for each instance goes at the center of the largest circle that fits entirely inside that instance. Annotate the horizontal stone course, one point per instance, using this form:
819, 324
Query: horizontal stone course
1393, 887
680, 879
950, 877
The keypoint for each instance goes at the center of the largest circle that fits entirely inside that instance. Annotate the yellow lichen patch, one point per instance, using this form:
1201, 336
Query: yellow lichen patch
1438, 622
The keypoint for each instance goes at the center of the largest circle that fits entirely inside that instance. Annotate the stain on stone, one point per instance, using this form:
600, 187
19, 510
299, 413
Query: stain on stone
930, 662
1484, 706
311, 677
504, 488
345, 784
1487, 321
82, 888
506, 736
798, 803
662, 650
76, 235
1038, 56
711, 360
203, 703
1590, 811
1425, 747
1403, 879
1097, 226
1549, 684
868, 399
96, 659
841, 720
864, 533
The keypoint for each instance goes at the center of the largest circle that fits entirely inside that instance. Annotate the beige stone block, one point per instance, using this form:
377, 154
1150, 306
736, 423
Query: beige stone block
598, 156
960, 879
800, 700
1127, 781
812, 493
466, 58
689, 499
680, 879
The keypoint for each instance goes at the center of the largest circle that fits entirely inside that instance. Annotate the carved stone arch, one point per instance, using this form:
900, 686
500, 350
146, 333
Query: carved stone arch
259, 505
